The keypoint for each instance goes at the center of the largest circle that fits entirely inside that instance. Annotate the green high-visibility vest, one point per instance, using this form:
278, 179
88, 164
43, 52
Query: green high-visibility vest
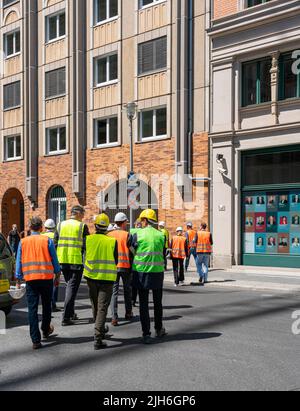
49, 234
134, 230
149, 256
167, 237
70, 243
100, 261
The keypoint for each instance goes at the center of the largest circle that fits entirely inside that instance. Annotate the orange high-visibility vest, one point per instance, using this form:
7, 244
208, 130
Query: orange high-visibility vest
123, 251
36, 259
192, 236
178, 247
204, 245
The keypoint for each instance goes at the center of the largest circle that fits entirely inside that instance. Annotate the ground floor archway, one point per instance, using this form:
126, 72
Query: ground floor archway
12, 211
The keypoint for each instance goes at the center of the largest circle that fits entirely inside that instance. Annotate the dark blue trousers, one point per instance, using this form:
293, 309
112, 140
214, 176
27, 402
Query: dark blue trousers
35, 290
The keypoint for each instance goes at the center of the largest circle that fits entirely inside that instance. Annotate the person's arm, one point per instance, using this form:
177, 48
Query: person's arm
195, 242
211, 240
56, 238
86, 233
186, 247
19, 273
116, 253
52, 251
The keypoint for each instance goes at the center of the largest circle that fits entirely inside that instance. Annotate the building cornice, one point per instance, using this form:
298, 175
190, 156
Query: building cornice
254, 17
255, 131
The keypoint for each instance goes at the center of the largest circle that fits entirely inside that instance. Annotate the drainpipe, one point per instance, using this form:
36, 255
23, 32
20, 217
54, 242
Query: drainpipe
30, 99
190, 87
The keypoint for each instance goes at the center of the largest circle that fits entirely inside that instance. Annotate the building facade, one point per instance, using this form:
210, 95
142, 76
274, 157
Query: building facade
67, 70
255, 132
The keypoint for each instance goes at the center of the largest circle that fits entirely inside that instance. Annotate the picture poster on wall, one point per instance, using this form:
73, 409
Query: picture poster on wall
272, 222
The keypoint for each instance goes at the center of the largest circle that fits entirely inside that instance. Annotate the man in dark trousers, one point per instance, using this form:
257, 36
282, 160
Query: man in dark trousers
14, 239
70, 239
148, 273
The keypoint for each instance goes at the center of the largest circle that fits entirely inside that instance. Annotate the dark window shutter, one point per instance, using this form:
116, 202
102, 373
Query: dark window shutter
12, 95
55, 83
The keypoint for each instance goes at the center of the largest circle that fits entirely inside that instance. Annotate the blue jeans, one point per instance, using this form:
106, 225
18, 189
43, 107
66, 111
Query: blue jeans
193, 253
35, 290
202, 266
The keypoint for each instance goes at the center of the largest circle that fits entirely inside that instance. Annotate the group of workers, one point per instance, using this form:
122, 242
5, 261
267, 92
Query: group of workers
104, 258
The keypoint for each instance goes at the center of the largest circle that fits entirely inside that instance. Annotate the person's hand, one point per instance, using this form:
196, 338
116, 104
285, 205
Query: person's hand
57, 280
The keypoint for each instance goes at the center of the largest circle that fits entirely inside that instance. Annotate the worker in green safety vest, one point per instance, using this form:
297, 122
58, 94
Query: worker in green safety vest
148, 273
100, 270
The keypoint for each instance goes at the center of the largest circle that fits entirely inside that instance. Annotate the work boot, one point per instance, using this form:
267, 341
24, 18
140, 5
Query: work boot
46, 335
129, 316
37, 346
147, 340
115, 323
161, 333
75, 317
100, 345
55, 309
67, 323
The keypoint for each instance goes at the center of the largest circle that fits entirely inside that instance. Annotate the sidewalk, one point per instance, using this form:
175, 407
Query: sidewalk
253, 281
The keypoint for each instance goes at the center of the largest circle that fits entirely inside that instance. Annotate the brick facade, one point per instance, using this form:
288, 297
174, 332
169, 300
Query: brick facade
223, 8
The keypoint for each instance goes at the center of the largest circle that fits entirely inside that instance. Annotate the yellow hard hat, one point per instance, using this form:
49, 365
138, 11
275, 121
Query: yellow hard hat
149, 215
102, 220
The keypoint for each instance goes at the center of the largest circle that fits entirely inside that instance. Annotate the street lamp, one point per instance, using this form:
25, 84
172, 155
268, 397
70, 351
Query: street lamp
131, 115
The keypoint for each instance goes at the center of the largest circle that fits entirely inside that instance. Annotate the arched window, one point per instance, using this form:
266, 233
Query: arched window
57, 204
115, 199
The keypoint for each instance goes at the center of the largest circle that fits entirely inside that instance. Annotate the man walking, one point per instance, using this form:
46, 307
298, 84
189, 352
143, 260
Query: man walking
148, 273
191, 236
14, 239
135, 230
179, 250
70, 240
124, 240
37, 264
50, 228
100, 270
204, 250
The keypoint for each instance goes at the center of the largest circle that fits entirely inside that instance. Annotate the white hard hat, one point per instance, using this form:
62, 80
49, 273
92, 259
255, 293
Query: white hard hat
179, 229
50, 224
162, 224
189, 224
121, 218
111, 227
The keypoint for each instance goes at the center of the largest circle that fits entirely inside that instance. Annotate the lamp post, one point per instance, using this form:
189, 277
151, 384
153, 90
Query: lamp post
131, 115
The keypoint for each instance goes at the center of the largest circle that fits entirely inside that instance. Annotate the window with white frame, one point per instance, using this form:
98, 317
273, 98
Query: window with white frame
12, 148
55, 27
153, 123
106, 131
105, 10
56, 140
12, 43
145, 3
106, 70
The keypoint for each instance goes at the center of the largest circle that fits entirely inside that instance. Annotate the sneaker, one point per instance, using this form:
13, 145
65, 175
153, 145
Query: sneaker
100, 346
162, 333
115, 323
49, 333
37, 346
147, 340
176, 285
67, 323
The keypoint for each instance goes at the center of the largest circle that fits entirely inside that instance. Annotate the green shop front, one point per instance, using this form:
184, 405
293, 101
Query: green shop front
271, 207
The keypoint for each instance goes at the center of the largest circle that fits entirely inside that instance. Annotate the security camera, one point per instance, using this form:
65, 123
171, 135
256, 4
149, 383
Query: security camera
222, 170
220, 158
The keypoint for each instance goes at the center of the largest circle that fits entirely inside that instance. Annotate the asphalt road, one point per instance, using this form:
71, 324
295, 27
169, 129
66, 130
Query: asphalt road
219, 339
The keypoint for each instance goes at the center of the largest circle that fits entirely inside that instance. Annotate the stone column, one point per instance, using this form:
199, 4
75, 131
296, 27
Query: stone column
275, 85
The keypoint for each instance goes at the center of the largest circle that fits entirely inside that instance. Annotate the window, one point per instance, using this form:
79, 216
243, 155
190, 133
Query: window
152, 56
289, 85
106, 70
252, 3
144, 3
106, 131
56, 140
12, 149
55, 27
105, 10
6, 3
55, 83
12, 95
257, 82
12, 43
57, 204
153, 123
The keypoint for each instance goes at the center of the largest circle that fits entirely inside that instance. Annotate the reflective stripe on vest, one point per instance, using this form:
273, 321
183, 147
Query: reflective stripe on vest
124, 255
178, 249
204, 245
36, 259
100, 262
70, 243
149, 257
192, 235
